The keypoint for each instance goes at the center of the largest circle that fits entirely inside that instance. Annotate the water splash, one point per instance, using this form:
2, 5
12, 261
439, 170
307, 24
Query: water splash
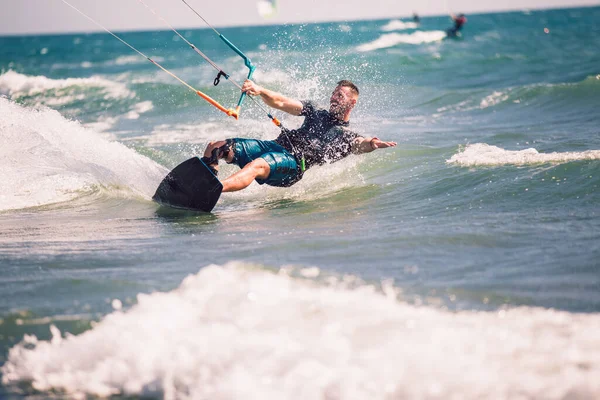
47, 159
296, 335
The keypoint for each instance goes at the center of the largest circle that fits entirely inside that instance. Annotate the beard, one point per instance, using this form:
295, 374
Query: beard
336, 109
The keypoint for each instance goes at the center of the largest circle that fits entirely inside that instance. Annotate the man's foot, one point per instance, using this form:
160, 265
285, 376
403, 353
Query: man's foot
217, 153
212, 168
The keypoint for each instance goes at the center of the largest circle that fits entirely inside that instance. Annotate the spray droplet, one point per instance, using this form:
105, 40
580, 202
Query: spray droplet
116, 304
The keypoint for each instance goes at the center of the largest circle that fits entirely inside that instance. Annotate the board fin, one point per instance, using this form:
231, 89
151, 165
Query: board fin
191, 185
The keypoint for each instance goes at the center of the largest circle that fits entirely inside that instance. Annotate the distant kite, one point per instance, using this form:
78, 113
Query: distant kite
267, 8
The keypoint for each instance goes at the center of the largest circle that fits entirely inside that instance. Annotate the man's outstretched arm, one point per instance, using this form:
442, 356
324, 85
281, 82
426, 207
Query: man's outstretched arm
273, 99
368, 144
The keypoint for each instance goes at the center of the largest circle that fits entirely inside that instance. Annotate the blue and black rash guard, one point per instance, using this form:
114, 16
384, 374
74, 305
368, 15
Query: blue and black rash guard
321, 139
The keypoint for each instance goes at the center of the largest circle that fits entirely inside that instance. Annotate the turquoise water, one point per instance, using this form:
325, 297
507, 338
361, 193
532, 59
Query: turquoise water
463, 263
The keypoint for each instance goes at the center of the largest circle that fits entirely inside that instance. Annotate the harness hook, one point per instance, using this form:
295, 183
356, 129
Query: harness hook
218, 78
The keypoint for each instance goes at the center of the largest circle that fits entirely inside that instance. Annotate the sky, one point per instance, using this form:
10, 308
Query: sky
54, 16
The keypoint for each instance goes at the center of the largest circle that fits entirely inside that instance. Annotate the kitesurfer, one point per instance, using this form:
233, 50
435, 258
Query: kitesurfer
459, 20
324, 137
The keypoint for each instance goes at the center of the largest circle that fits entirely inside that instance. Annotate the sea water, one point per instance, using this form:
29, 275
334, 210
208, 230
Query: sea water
462, 264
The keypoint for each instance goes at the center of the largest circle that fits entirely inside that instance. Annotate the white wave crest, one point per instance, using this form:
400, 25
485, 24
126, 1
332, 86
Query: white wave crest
139, 108
132, 59
126, 60
230, 331
397, 25
480, 154
493, 99
17, 85
392, 39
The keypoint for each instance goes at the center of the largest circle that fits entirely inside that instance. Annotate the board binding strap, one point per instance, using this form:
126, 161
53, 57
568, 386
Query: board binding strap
190, 186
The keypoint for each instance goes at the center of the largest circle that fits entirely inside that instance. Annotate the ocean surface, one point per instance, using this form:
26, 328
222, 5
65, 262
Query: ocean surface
462, 264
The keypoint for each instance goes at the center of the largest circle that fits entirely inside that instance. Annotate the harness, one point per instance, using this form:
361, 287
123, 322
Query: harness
300, 160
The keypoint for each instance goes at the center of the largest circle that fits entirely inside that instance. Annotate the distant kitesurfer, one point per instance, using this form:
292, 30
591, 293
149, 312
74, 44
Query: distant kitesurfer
416, 18
324, 137
459, 21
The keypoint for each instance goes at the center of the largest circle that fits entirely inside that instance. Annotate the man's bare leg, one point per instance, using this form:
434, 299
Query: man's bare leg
244, 177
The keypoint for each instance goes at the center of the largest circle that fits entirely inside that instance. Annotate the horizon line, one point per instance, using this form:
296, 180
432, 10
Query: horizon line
257, 25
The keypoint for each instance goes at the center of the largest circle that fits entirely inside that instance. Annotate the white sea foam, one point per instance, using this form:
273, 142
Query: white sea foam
132, 59
47, 159
126, 60
18, 85
470, 103
392, 39
485, 154
201, 133
240, 331
102, 124
138, 109
397, 25
345, 28
493, 99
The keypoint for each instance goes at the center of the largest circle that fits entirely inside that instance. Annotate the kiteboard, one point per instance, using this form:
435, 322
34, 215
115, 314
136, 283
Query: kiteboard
190, 186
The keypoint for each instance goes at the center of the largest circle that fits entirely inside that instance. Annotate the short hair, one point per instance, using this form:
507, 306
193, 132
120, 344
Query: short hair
348, 84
